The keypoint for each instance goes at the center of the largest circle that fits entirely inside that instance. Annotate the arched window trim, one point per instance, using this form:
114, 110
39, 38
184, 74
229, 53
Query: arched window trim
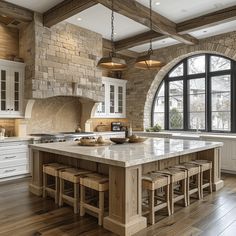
208, 74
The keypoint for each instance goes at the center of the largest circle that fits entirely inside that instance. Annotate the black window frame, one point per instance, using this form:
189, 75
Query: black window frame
208, 104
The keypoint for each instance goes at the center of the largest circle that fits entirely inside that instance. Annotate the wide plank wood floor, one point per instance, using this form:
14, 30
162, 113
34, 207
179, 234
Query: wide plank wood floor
23, 214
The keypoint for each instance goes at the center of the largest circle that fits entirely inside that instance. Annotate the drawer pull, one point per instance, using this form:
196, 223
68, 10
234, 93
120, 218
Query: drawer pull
10, 157
7, 171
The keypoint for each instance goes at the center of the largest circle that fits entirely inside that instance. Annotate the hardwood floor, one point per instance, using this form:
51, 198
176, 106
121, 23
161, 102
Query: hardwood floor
23, 214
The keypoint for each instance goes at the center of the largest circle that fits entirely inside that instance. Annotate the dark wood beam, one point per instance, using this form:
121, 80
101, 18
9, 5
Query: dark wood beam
211, 19
65, 10
15, 12
138, 40
140, 14
108, 47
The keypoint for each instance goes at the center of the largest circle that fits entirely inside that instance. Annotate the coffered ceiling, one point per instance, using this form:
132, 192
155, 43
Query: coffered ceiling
181, 21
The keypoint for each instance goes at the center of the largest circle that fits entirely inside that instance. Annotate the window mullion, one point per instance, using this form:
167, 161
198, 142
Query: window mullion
185, 97
208, 106
233, 96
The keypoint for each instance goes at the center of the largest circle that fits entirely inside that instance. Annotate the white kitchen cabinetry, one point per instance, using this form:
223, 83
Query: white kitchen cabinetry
11, 89
14, 159
114, 105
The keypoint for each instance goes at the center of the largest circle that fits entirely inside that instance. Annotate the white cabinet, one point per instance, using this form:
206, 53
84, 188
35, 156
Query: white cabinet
11, 89
14, 159
114, 105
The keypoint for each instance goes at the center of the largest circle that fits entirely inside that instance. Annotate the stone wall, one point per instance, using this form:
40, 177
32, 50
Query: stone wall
64, 60
142, 85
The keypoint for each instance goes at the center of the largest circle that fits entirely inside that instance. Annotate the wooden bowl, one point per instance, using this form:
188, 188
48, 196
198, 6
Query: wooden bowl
137, 140
119, 140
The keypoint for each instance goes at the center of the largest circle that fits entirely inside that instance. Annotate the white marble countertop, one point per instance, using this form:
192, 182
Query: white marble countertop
127, 155
186, 134
17, 139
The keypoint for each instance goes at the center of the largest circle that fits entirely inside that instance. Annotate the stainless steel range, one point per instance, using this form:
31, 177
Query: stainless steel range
61, 137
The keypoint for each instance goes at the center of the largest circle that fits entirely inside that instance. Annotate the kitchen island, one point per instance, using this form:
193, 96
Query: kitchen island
125, 165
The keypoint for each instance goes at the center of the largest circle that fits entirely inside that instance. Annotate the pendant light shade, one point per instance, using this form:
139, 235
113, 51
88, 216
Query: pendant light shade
148, 61
112, 62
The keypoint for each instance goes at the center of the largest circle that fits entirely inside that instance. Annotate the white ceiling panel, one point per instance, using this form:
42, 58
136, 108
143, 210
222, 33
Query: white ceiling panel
214, 30
156, 45
36, 5
181, 10
98, 19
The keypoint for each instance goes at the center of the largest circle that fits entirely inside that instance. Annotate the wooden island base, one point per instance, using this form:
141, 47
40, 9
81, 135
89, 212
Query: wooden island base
125, 186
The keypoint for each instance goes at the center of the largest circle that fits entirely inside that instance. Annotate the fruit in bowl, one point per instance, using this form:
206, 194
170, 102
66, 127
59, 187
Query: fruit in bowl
86, 140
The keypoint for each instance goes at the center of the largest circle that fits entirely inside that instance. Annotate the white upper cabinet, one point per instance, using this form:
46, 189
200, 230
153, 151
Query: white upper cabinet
11, 89
114, 105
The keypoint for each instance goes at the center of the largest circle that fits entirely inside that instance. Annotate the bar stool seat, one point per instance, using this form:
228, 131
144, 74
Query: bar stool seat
52, 169
206, 174
193, 172
71, 195
153, 182
100, 184
178, 185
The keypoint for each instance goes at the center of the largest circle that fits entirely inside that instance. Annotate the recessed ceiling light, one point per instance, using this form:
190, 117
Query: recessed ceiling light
157, 3
79, 19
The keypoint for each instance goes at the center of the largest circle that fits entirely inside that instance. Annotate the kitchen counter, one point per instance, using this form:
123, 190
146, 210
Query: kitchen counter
185, 134
129, 154
125, 164
18, 139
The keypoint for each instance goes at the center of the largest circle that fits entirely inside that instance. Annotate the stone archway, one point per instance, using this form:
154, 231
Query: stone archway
173, 60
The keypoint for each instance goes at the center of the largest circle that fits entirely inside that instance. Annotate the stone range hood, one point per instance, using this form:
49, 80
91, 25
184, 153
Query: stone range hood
61, 61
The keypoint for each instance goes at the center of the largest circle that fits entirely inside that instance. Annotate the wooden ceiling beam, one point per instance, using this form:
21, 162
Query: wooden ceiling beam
211, 19
108, 47
15, 12
64, 10
138, 40
140, 14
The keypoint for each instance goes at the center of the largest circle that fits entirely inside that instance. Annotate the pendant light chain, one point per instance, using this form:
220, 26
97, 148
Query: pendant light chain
112, 27
150, 7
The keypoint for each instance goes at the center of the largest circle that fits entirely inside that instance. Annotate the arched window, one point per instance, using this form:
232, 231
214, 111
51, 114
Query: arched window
199, 93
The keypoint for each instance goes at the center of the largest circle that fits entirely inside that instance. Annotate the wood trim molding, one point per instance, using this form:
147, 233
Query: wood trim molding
16, 12
211, 19
65, 10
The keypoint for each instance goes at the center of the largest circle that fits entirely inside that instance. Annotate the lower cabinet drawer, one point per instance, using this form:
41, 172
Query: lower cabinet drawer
13, 171
9, 157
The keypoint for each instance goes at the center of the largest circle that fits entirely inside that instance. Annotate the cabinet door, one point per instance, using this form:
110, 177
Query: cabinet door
11, 95
120, 100
16, 92
5, 90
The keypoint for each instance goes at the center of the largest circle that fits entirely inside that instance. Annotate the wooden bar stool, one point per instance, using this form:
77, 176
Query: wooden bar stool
178, 185
52, 169
100, 184
206, 174
153, 182
193, 179
71, 195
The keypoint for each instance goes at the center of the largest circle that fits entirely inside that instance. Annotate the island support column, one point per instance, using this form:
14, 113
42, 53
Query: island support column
125, 201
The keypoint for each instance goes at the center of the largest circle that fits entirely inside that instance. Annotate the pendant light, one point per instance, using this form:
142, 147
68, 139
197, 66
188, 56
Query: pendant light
112, 62
148, 61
